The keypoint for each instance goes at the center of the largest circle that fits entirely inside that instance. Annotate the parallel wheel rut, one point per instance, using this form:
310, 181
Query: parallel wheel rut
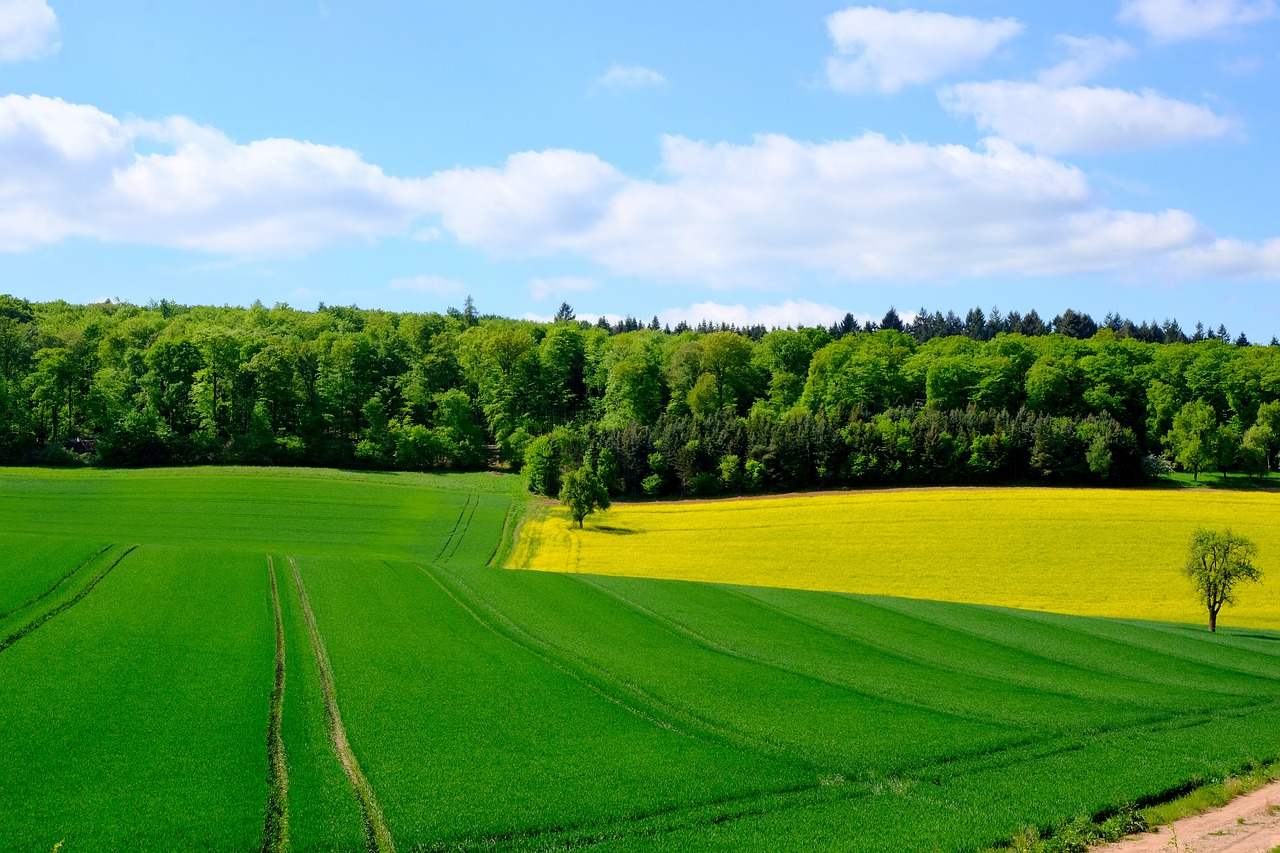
377, 835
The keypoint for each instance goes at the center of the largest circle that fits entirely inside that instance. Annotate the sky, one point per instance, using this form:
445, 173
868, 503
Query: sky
745, 162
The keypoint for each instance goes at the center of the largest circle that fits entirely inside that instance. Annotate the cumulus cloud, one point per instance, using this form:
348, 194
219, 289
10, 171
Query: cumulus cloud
560, 286
433, 284
1179, 20
620, 78
545, 198
1087, 119
882, 51
866, 207
722, 214
1235, 258
1087, 57
28, 30
73, 170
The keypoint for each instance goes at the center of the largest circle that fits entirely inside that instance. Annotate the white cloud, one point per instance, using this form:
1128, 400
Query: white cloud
71, 169
792, 313
1087, 57
722, 214
1236, 258
848, 210
1083, 118
589, 318
879, 50
623, 77
544, 198
560, 286
28, 30
1179, 20
432, 284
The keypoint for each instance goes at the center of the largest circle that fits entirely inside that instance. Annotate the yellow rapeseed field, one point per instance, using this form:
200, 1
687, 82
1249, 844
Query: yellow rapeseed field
1093, 552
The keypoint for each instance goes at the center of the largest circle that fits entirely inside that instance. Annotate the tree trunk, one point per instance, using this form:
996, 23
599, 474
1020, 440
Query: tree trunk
1213, 621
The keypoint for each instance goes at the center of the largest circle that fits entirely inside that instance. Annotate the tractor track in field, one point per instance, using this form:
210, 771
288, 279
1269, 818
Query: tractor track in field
683, 631
276, 831
51, 590
740, 807
896, 653
632, 697
66, 605
507, 539
1082, 629
524, 640
460, 528
377, 835
727, 810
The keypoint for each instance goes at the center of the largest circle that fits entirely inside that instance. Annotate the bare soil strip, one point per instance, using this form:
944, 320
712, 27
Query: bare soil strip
71, 602
276, 834
377, 836
51, 590
1247, 824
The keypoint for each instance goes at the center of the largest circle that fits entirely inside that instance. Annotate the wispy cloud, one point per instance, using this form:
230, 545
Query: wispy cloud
792, 313
1181, 20
560, 286
433, 284
1084, 119
1087, 57
621, 78
28, 30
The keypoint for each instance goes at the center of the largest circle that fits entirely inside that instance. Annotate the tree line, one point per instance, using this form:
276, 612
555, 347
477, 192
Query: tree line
988, 398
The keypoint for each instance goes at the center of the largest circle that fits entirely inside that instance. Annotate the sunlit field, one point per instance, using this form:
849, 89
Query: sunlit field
246, 660
1088, 552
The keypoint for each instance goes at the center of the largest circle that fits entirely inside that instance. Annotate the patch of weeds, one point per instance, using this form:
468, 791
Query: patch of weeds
1079, 834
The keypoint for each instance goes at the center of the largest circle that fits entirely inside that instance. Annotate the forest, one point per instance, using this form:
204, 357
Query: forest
704, 410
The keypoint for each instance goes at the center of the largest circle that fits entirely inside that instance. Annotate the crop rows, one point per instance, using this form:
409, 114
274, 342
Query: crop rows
357, 692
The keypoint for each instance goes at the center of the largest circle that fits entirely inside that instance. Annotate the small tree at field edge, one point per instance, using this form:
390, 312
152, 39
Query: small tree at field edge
1216, 563
583, 493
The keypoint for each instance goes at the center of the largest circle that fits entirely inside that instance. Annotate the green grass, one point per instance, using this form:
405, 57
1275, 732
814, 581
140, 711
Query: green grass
499, 710
466, 733
34, 568
323, 814
308, 511
137, 718
1215, 480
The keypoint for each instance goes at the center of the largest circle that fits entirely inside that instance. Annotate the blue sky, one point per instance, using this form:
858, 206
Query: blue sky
776, 162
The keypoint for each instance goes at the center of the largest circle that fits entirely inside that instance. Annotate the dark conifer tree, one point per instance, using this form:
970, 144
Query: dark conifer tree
891, 320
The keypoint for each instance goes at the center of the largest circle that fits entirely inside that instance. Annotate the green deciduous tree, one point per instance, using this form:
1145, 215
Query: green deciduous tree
1217, 562
1191, 439
583, 493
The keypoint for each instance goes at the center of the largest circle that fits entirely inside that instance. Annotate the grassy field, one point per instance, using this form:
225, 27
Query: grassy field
482, 709
1090, 552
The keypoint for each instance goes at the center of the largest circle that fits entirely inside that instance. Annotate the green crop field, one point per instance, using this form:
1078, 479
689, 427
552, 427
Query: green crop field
235, 659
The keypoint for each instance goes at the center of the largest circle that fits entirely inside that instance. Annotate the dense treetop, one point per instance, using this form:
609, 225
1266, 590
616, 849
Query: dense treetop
984, 398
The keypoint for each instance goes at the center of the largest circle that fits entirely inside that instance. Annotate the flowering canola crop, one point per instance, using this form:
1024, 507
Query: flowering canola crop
1093, 552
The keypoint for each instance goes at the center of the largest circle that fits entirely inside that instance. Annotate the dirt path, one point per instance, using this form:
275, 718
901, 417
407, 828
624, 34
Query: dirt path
1247, 824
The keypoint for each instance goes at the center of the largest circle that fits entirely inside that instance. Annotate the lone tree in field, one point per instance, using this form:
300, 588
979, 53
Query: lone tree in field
583, 493
1217, 562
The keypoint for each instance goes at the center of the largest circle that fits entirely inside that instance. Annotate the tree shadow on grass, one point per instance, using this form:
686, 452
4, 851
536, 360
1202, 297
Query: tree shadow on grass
614, 531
